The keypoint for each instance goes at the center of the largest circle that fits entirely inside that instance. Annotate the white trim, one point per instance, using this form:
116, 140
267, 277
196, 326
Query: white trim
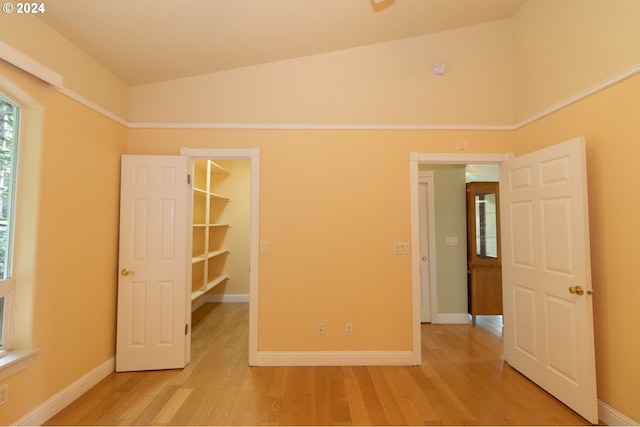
452, 318
416, 291
612, 417
252, 154
14, 361
617, 78
316, 126
70, 393
334, 358
15, 57
464, 158
226, 298
92, 105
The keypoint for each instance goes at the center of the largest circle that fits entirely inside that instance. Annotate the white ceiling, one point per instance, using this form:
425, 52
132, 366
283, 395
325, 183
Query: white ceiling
145, 41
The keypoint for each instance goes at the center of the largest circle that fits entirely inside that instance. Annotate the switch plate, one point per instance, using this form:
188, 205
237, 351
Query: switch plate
401, 247
451, 241
264, 247
320, 330
348, 329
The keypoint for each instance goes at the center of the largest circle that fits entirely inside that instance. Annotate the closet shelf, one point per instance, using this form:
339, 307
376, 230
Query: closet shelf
210, 285
209, 255
217, 169
219, 197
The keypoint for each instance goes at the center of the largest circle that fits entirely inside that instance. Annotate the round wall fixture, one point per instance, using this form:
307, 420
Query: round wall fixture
439, 67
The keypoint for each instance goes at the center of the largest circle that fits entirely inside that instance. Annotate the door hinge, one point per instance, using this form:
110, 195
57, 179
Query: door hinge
188, 179
186, 329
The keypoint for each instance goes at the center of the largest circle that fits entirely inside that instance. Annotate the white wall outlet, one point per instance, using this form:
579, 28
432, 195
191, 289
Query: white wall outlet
348, 329
320, 329
4, 394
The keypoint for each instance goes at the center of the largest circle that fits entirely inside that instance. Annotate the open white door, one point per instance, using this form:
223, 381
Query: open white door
548, 312
152, 293
425, 287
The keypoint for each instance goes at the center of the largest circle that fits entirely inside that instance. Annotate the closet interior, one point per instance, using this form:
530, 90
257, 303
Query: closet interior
220, 236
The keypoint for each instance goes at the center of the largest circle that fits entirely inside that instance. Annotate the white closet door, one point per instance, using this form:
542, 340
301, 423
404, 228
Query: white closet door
152, 286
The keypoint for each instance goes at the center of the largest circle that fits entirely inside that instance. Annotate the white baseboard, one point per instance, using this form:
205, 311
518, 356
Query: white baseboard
613, 417
61, 400
334, 358
226, 298
451, 318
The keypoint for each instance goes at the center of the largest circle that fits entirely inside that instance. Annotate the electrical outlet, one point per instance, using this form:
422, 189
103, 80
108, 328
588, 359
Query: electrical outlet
4, 394
348, 329
320, 329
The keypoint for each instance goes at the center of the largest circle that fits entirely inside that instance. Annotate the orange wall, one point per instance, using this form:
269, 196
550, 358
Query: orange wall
66, 242
332, 203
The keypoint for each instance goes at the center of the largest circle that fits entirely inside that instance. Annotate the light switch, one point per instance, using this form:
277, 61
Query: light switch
264, 247
451, 241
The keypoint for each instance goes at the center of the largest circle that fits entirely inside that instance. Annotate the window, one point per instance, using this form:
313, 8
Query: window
9, 115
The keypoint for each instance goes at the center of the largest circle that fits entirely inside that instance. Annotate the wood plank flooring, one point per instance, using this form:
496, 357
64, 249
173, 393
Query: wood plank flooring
462, 381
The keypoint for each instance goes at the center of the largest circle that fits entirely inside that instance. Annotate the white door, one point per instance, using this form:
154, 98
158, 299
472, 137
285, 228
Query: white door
548, 334
425, 300
152, 293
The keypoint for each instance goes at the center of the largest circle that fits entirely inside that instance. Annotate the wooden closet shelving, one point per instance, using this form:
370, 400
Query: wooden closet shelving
208, 251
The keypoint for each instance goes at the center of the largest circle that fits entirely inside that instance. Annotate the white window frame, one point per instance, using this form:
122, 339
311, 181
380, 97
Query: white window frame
7, 286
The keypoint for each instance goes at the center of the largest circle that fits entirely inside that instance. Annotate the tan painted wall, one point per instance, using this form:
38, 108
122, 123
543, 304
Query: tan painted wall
332, 203
384, 83
66, 243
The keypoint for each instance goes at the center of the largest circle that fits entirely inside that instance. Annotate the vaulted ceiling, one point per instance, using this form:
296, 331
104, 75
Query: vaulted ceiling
145, 41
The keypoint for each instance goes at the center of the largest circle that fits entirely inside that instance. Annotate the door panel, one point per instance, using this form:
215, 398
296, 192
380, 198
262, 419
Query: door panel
548, 329
152, 291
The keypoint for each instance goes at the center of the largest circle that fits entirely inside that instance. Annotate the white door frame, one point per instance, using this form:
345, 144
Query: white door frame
252, 154
432, 158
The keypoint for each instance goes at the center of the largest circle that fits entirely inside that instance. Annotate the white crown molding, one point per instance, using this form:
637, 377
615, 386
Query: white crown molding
314, 126
92, 105
581, 95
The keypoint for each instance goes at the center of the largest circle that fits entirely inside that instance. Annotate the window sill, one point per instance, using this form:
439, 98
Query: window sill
14, 361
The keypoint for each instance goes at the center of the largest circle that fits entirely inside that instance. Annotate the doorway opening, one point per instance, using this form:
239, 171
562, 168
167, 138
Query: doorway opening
224, 231
438, 313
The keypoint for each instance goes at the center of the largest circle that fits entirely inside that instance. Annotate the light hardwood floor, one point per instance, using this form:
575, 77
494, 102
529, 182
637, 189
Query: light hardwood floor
462, 381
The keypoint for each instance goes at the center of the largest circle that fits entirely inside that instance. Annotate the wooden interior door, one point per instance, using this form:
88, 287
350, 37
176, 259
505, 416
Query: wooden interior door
153, 319
546, 265
484, 262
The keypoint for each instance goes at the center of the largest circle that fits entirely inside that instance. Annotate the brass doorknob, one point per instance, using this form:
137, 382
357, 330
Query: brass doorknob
424, 258
126, 272
577, 290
